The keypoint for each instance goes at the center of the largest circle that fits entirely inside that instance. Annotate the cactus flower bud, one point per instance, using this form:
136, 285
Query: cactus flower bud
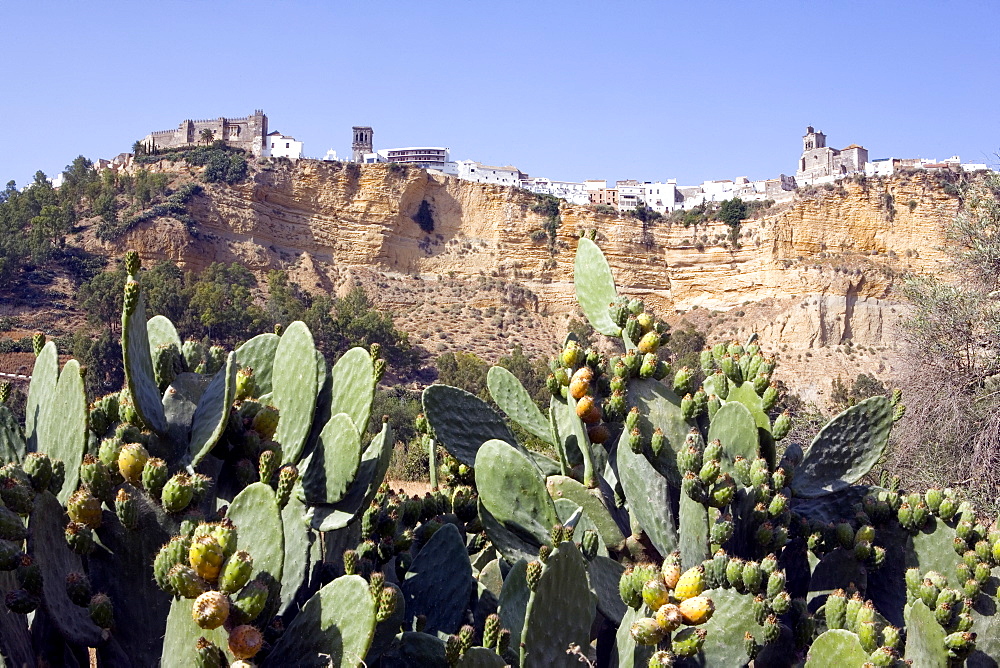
533, 574
286, 480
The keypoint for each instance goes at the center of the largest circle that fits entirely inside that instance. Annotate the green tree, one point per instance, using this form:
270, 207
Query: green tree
223, 304
733, 211
286, 302
207, 136
101, 299
466, 371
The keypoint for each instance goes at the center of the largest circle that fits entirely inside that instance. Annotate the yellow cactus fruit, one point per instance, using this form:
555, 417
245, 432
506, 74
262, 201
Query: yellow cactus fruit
587, 410
671, 574
669, 617
690, 584
579, 384
697, 610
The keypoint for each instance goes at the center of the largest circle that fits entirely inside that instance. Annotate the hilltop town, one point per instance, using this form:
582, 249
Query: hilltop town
818, 164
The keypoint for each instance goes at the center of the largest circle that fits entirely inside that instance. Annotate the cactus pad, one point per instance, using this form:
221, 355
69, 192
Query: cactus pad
735, 428
62, 432
595, 287
481, 657
41, 390
515, 401
298, 540
47, 543
295, 382
139, 376
259, 529
12, 445
836, 647
924, 637
746, 395
660, 408
374, 464
563, 487
694, 531
334, 628
513, 490
353, 387
333, 464
210, 417
560, 611
648, 495
439, 582
258, 354
463, 422
845, 449
160, 331
181, 636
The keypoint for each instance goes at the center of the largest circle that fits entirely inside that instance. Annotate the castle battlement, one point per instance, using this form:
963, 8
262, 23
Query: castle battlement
246, 132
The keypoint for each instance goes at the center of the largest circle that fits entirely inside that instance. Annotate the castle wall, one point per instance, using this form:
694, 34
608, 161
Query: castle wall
246, 133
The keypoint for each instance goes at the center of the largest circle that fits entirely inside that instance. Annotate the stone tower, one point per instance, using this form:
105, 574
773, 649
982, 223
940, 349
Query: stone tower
813, 139
362, 142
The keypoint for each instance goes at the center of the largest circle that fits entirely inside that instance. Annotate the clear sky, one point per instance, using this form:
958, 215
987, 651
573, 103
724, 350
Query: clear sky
570, 90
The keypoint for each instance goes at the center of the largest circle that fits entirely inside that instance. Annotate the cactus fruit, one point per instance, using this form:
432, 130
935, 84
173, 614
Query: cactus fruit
249, 602
655, 593
245, 641
177, 493
208, 655
21, 601
688, 642
185, 582
205, 557
697, 610
38, 466
127, 510
286, 480
132, 461
690, 584
84, 509
78, 589
79, 537
669, 617
236, 572
265, 422
646, 631
210, 610
101, 611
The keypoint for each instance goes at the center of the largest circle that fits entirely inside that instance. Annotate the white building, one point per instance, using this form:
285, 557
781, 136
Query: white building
278, 145
470, 170
660, 197
630, 194
331, 155
574, 193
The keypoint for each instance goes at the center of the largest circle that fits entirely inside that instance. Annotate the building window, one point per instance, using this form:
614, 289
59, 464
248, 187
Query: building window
287, 145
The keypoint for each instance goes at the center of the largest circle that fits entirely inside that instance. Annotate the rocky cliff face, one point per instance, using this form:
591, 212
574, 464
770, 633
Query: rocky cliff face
814, 278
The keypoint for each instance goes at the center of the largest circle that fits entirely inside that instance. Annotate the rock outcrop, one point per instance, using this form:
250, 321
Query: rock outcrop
815, 278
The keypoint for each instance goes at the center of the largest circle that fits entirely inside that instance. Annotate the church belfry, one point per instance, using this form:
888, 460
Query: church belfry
362, 142
813, 139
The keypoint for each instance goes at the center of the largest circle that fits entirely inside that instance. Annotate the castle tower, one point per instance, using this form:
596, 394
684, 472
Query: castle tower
813, 139
362, 142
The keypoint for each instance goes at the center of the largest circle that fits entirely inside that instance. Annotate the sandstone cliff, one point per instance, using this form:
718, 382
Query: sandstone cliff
814, 278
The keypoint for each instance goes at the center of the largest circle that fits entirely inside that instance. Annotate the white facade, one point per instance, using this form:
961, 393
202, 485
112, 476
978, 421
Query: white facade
630, 194
278, 145
331, 155
660, 197
574, 193
470, 170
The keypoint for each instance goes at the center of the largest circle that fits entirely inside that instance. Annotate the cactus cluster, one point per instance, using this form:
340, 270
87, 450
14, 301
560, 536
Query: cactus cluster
225, 508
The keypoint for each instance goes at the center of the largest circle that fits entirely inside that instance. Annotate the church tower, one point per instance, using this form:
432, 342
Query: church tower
362, 142
813, 139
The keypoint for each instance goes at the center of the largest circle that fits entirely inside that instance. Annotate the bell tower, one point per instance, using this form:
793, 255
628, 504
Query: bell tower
813, 139
362, 142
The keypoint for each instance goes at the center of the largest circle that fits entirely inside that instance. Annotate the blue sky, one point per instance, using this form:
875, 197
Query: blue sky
570, 90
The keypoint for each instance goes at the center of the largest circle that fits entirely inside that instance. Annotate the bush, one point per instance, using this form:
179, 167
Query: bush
424, 217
